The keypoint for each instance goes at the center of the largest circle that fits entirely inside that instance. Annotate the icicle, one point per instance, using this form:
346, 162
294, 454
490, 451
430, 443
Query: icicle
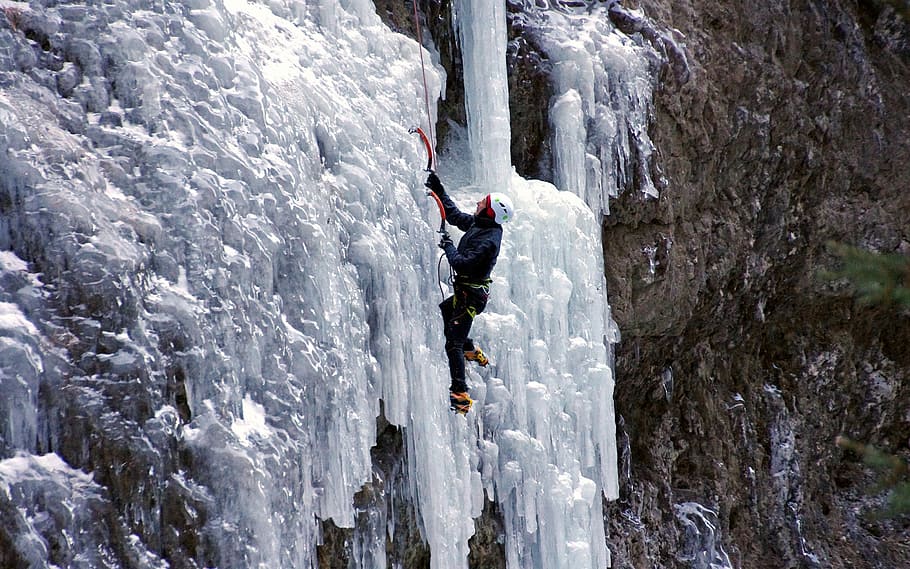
481, 28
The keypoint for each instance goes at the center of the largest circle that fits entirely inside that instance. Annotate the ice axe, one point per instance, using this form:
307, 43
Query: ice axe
430, 159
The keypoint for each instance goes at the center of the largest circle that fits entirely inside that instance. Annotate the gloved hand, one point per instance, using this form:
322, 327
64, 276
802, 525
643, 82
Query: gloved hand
446, 241
435, 185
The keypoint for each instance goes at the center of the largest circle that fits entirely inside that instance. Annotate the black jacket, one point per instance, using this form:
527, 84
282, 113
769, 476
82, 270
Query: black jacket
478, 248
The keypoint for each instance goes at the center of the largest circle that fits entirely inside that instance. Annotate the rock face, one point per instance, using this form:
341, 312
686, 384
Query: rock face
739, 365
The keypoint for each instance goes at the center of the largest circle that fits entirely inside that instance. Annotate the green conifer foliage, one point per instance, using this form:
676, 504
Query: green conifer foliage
878, 279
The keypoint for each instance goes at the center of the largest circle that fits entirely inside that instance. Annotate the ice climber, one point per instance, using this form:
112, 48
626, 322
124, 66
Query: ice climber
472, 261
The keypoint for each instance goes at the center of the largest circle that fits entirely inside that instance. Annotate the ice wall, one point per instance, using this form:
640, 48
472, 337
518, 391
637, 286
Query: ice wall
219, 258
21, 366
548, 452
235, 265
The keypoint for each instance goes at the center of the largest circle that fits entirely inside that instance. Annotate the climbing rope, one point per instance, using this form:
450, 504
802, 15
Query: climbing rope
431, 144
423, 70
450, 280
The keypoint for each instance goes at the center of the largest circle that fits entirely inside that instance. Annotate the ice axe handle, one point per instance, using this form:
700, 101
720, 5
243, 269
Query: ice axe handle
427, 145
442, 212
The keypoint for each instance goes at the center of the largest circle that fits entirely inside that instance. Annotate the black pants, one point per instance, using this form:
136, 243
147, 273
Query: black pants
458, 312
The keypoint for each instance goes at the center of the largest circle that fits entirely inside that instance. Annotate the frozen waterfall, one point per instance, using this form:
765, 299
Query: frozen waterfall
227, 192
603, 82
482, 37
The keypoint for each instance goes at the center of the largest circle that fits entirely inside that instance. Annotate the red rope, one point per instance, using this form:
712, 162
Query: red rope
426, 91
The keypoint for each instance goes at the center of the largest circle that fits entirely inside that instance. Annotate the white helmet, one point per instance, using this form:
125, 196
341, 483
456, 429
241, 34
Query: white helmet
500, 207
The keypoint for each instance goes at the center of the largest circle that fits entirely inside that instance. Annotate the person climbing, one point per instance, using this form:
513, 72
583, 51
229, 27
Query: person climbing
473, 262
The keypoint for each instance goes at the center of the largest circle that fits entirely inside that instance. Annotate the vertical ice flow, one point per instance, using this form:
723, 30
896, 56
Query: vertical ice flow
482, 36
599, 111
278, 192
548, 453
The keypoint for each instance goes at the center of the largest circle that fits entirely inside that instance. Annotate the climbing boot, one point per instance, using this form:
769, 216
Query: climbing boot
460, 402
476, 355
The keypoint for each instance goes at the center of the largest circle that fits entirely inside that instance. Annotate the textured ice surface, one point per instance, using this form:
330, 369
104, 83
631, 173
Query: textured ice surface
219, 258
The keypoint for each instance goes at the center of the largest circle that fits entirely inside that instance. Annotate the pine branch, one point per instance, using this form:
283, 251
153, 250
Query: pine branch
877, 278
894, 469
